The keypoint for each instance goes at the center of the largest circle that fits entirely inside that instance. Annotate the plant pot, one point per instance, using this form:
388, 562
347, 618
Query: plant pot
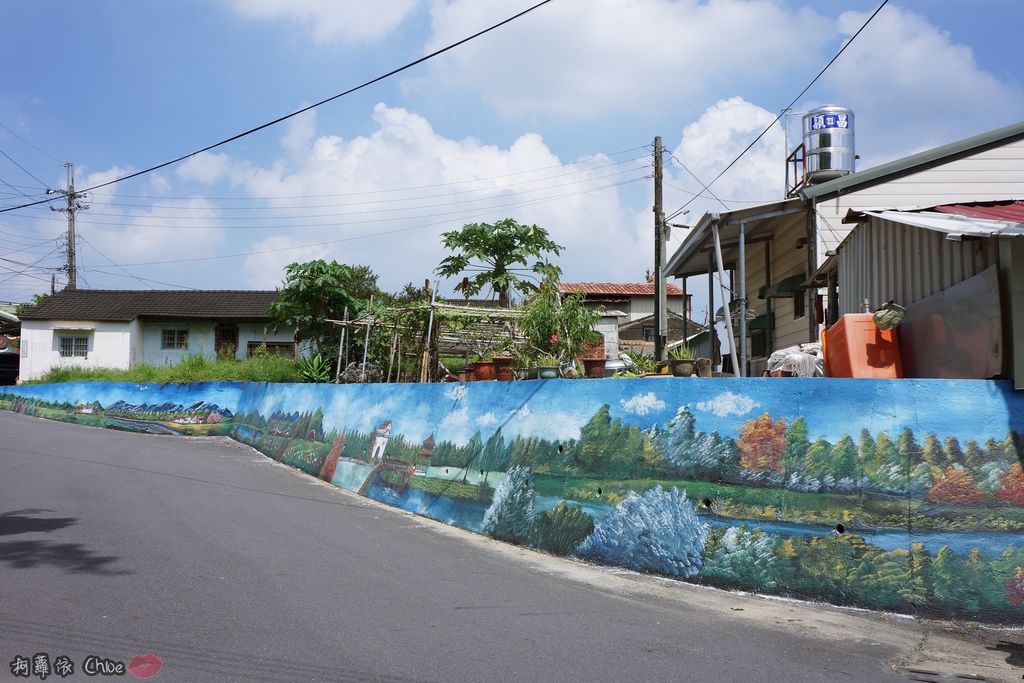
594, 367
683, 368
547, 372
503, 368
483, 370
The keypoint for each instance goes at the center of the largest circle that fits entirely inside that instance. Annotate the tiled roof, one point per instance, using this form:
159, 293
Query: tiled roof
617, 288
106, 305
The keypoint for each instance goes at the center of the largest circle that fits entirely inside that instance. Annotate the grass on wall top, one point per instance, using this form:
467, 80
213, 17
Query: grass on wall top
195, 368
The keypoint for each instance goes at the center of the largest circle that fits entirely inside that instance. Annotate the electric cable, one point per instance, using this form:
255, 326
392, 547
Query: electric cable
303, 110
779, 116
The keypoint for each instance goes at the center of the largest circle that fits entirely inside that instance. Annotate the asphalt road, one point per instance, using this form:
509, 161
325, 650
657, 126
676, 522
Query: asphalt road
229, 567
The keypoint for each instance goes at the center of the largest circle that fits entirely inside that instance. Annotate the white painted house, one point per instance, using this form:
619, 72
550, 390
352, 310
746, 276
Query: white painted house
123, 329
772, 253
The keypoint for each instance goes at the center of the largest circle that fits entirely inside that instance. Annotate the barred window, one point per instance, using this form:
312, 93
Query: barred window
174, 339
74, 346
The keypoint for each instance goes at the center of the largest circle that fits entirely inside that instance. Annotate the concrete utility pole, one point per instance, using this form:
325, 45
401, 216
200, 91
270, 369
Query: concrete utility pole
660, 295
74, 206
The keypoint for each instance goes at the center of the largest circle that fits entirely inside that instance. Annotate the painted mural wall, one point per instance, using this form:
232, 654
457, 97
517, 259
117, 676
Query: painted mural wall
902, 495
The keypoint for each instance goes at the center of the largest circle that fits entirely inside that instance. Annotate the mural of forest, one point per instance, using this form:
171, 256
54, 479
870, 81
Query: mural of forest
896, 495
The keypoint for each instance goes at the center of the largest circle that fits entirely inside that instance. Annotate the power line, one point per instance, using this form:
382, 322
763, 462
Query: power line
304, 109
32, 146
779, 116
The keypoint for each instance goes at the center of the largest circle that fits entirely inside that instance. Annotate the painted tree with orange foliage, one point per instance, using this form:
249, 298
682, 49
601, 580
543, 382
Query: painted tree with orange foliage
1011, 486
762, 444
1015, 588
957, 487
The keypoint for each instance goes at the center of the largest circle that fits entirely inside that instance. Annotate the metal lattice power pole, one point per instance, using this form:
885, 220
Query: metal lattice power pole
73, 207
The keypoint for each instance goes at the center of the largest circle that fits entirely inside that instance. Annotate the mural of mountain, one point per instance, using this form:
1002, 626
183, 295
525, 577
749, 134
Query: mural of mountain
169, 407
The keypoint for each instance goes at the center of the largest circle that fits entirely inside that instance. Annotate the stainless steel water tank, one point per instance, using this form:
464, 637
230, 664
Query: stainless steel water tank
828, 144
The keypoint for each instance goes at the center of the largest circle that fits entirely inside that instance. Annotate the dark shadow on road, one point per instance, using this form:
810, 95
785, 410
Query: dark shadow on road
73, 557
1014, 650
19, 522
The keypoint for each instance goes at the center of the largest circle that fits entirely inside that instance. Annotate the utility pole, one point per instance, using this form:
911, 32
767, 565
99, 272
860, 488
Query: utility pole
73, 207
660, 294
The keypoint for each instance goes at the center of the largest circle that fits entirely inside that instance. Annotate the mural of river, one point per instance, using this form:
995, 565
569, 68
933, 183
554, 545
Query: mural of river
887, 457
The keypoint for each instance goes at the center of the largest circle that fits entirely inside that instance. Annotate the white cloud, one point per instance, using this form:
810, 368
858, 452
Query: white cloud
382, 200
903, 58
521, 413
711, 143
456, 422
351, 20
456, 392
580, 59
641, 404
728, 403
549, 425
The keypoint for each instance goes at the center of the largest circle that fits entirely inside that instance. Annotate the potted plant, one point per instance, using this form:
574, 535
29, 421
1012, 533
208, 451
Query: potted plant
520, 366
682, 360
547, 366
593, 355
556, 327
483, 370
503, 360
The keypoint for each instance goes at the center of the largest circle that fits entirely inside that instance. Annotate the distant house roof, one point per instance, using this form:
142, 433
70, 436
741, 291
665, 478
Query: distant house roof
616, 288
113, 305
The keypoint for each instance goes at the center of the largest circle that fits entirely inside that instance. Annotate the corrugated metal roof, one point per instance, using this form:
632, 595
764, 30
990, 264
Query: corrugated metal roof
955, 226
1003, 211
616, 288
104, 305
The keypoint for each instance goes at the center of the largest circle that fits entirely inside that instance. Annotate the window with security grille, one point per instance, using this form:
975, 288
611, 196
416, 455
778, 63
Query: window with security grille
74, 346
175, 339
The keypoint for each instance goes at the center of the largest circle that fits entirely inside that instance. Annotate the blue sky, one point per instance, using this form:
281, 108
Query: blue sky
548, 120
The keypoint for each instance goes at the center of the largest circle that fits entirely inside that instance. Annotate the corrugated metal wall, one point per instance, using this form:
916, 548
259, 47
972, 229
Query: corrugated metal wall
883, 260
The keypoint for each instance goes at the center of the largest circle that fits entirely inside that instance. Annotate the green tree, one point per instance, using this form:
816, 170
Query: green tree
797, 444
819, 459
954, 454
909, 449
973, 455
313, 293
867, 451
29, 305
845, 463
933, 453
500, 255
561, 530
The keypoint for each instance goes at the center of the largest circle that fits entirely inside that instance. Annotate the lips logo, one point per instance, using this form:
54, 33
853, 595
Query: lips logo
144, 666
